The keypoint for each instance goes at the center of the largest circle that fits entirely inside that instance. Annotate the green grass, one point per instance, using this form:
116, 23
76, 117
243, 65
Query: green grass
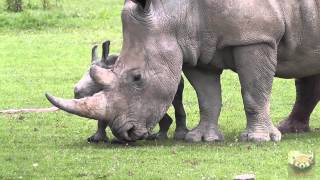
49, 50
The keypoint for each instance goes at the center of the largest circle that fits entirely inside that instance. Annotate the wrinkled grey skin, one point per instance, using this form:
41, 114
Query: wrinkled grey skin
87, 87
257, 39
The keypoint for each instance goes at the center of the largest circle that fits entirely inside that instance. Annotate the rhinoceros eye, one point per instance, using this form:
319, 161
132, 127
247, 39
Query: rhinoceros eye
143, 3
137, 82
135, 78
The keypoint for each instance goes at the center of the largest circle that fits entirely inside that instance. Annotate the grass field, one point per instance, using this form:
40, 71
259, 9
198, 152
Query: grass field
49, 50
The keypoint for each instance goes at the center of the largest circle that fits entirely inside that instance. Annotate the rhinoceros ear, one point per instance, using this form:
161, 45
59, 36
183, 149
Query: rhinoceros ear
94, 54
105, 50
144, 3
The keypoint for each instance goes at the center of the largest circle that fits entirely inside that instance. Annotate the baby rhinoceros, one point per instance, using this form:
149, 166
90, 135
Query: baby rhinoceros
87, 87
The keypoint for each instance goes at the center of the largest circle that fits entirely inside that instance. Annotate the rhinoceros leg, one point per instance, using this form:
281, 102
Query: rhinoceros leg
207, 86
100, 135
256, 66
307, 97
180, 114
164, 125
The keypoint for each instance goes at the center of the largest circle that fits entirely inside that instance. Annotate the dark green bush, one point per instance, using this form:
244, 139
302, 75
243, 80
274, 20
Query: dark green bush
14, 5
46, 4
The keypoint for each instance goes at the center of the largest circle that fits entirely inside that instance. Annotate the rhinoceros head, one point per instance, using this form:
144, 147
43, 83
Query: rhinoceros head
140, 86
86, 86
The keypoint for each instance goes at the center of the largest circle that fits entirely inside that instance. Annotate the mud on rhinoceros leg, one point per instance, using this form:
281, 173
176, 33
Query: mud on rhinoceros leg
207, 86
307, 97
256, 66
100, 135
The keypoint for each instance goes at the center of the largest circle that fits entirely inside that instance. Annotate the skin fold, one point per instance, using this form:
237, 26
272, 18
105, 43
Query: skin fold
87, 87
258, 40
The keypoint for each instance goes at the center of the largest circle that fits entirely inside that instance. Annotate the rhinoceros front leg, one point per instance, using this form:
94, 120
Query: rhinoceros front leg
180, 114
100, 135
207, 86
256, 66
308, 95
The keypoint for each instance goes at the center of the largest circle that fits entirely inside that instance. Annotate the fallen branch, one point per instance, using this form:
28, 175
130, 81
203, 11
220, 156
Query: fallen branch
39, 110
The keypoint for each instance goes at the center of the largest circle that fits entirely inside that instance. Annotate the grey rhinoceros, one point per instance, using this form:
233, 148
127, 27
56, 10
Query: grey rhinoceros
87, 87
258, 39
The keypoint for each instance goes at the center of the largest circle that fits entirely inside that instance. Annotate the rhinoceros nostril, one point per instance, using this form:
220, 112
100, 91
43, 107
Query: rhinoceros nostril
131, 133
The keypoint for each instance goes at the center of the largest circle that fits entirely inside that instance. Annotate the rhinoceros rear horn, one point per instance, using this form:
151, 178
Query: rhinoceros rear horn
102, 76
105, 50
94, 54
93, 107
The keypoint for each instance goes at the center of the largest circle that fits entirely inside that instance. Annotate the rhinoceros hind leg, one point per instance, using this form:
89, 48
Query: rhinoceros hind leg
256, 65
100, 135
307, 97
164, 125
180, 134
158, 136
272, 134
292, 125
180, 114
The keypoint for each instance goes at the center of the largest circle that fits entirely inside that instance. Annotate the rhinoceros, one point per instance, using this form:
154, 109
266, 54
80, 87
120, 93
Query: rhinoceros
259, 40
87, 87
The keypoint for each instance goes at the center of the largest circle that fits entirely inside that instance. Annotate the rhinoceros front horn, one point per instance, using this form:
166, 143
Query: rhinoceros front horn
93, 107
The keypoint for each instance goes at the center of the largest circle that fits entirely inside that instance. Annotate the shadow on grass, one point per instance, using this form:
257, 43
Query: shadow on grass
314, 134
140, 144
288, 139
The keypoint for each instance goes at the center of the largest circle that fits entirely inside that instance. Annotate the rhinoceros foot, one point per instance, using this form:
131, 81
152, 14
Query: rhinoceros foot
180, 133
204, 133
98, 137
291, 125
158, 136
271, 133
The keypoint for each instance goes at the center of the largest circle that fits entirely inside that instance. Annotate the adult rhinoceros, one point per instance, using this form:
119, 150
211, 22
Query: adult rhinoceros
258, 39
